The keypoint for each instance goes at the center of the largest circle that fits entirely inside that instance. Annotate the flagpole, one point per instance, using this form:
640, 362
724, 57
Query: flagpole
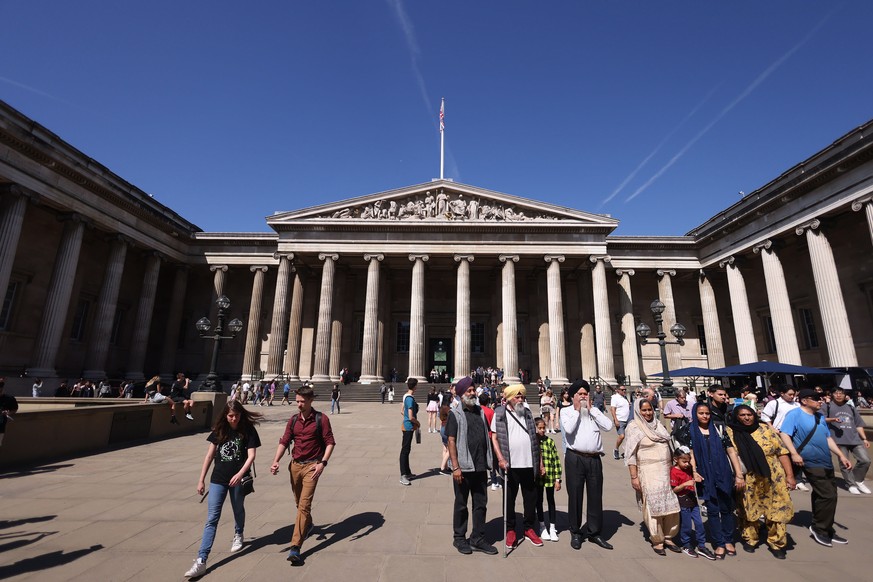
442, 135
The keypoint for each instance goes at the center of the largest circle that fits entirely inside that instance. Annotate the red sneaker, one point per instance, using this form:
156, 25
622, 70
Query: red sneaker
533, 537
510, 539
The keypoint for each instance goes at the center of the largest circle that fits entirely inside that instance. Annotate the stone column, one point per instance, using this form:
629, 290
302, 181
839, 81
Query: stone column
174, 321
711, 327
383, 323
462, 317
557, 340
57, 303
587, 341
510, 320
321, 372
295, 322
142, 327
602, 323
369, 354
98, 347
787, 349
629, 352
665, 293
835, 320
275, 355
251, 358
746, 347
336, 325
14, 201
416, 319
867, 204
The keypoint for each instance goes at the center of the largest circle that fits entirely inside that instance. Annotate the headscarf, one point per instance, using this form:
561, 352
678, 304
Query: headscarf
462, 385
654, 431
711, 460
748, 448
514, 390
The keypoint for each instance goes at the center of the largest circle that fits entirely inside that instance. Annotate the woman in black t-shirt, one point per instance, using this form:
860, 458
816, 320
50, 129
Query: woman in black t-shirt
232, 445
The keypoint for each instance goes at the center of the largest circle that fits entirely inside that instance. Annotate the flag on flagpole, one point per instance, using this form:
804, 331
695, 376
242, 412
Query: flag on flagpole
443, 116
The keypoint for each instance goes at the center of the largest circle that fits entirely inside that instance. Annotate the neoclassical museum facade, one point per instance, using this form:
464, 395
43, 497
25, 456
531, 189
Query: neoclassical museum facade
102, 280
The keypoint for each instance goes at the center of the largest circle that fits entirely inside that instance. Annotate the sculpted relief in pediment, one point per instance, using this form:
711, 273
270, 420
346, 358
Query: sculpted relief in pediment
438, 205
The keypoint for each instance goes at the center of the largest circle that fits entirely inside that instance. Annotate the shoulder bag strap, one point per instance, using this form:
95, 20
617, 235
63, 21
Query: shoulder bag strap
809, 436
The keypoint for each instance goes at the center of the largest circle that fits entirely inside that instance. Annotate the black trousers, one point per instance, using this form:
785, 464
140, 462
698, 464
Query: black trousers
823, 497
549, 494
405, 447
581, 473
525, 479
474, 484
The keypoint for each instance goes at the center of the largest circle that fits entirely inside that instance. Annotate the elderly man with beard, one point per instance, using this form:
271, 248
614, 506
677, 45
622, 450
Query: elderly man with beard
470, 459
582, 425
518, 454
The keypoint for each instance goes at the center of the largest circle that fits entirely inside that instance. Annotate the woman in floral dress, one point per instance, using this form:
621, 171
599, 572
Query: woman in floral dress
769, 477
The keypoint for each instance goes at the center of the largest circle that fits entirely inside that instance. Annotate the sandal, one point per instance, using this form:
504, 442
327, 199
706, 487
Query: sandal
673, 548
721, 555
659, 551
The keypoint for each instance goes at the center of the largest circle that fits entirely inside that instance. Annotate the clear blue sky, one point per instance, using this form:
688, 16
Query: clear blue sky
657, 113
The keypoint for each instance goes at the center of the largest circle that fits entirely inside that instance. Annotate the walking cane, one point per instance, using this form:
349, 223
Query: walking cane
505, 509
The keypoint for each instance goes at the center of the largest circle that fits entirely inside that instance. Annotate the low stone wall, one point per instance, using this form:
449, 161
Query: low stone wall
48, 428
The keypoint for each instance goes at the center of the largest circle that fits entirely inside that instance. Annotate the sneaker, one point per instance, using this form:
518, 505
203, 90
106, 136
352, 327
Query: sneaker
705, 552
463, 546
197, 569
404, 480
553, 533
801, 486
778, 554
237, 543
864, 488
484, 547
854, 490
690, 552
189, 417
533, 537
615, 454
819, 538
445, 472
510, 539
838, 539
294, 555
494, 487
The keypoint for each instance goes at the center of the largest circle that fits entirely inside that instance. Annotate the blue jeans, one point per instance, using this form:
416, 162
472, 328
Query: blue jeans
721, 520
217, 493
334, 403
691, 527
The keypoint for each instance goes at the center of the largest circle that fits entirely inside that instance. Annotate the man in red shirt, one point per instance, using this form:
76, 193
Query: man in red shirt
313, 444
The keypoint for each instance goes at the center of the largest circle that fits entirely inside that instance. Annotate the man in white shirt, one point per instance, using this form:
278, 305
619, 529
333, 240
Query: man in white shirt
581, 425
620, 407
775, 410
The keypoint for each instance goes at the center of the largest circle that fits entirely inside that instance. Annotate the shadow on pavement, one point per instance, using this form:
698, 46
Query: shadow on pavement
6, 523
35, 470
44, 562
353, 527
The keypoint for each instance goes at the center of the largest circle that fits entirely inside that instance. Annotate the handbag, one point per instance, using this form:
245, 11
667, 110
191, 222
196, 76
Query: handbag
248, 481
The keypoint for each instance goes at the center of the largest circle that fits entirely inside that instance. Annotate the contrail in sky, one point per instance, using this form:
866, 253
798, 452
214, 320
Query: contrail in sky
658, 148
32, 90
748, 90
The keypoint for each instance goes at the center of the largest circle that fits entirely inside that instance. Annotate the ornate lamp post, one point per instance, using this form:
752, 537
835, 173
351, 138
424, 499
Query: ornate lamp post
678, 331
203, 325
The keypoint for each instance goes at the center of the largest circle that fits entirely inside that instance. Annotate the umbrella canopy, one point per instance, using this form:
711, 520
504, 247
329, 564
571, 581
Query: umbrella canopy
691, 371
765, 367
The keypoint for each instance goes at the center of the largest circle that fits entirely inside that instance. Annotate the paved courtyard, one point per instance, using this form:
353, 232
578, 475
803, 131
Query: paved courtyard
133, 514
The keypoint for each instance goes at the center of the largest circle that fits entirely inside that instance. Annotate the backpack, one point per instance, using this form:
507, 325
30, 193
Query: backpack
318, 432
681, 432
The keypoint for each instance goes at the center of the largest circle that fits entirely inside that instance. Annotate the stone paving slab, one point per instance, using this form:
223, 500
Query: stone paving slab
133, 514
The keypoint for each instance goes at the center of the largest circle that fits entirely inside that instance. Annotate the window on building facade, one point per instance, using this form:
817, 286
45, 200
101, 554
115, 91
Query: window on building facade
810, 336
360, 345
402, 336
80, 320
769, 334
8, 304
701, 333
477, 338
117, 324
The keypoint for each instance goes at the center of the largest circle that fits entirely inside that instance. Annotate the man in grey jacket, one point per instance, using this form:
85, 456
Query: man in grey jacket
470, 459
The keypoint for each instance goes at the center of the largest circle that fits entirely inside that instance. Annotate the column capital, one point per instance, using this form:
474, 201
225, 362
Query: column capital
325, 256
731, 260
214, 268
261, 268
763, 246
662, 272
459, 258
604, 258
279, 256
858, 204
120, 238
75, 217
155, 254
701, 274
813, 224
622, 272
504, 258
374, 256
17, 191
550, 258
414, 258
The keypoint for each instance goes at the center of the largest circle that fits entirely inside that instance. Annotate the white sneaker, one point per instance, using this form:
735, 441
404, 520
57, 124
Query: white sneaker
494, 487
801, 486
197, 569
237, 543
854, 490
864, 488
543, 531
553, 533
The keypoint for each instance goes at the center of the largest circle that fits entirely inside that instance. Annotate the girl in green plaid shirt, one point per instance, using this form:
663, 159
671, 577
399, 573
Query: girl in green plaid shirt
549, 482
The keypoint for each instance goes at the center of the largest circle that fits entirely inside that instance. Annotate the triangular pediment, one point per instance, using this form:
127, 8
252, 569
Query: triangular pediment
441, 202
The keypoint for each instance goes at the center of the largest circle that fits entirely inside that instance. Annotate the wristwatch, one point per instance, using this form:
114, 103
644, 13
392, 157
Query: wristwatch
323, 462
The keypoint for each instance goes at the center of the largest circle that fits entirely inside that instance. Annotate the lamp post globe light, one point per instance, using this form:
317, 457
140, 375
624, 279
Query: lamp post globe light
677, 330
203, 325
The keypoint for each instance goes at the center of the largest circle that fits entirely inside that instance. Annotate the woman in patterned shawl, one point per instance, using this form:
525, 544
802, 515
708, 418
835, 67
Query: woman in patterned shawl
769, 476
648, 459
